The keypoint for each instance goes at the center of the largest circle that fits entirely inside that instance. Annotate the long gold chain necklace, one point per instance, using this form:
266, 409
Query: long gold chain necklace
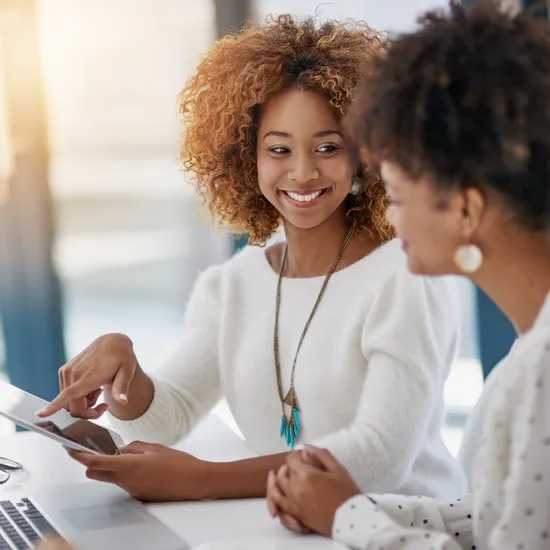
290, 425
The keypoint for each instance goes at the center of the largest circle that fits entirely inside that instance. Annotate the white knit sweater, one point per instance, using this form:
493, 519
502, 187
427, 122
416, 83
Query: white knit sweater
369, 377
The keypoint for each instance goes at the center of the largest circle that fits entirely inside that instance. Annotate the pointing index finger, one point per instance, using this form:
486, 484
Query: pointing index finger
63, 400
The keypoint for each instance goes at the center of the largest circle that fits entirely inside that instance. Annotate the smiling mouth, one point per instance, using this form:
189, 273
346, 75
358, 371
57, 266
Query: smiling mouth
305, 198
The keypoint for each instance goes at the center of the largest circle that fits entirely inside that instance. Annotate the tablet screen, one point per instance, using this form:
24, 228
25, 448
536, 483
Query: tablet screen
21, 408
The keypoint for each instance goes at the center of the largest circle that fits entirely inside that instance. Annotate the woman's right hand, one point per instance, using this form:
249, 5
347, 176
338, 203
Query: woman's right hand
108, 363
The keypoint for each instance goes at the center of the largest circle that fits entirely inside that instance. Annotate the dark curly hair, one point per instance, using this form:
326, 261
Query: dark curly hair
220, 106
465, 99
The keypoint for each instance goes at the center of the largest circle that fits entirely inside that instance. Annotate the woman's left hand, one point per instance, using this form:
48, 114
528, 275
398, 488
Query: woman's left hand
54, 543
149, 472
309, 489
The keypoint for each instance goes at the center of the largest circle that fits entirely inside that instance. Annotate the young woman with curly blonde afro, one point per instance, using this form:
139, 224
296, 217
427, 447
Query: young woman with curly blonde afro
361, 374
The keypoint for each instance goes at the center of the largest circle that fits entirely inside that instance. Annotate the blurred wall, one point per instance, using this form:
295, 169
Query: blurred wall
385, 15
129, 241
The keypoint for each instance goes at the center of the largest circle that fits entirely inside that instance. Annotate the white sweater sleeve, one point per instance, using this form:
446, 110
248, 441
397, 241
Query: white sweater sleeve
188, 385
409, 340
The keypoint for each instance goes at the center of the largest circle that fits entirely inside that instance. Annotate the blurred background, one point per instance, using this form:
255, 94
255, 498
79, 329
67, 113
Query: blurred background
99, 230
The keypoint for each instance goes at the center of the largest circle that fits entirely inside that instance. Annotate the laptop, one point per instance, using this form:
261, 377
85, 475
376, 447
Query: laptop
91, 515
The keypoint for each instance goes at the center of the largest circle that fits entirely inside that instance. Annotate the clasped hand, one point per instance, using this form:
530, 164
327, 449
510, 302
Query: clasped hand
306, 492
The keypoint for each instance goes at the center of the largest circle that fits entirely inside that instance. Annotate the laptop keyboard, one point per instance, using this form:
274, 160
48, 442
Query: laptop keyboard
22, 526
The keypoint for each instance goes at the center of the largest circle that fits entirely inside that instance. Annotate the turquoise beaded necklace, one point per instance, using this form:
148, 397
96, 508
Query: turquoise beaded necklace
290, 427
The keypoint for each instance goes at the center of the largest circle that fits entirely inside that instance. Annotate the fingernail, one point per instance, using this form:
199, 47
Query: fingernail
300, 447
40, 413
123, 397
294, 524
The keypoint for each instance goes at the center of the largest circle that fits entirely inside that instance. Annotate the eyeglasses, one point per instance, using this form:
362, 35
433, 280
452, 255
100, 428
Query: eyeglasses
7, 466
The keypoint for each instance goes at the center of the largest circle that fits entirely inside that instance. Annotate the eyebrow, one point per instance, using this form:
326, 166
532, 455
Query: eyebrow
323, 133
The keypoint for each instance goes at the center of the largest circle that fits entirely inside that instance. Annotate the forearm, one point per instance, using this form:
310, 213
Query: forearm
363, 524
140, 397
452, 516
242, 478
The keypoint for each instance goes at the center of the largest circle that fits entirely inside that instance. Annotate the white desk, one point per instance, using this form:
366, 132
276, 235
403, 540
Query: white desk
237, 524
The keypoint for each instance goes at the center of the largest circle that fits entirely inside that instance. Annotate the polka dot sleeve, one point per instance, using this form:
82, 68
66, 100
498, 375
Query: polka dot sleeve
396, 522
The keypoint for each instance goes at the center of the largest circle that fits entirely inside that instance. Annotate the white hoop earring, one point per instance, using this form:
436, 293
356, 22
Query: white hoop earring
357, 186
468, 258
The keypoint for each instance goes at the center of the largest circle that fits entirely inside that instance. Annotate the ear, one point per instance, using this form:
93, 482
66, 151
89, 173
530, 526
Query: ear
473, 209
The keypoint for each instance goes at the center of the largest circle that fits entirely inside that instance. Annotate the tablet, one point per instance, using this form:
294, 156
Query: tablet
75, 433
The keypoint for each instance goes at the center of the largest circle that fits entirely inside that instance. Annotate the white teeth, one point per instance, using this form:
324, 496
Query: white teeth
303, 198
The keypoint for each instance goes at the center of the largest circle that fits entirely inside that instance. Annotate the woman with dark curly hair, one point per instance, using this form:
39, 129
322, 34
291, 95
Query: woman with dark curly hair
458, 116
325, 338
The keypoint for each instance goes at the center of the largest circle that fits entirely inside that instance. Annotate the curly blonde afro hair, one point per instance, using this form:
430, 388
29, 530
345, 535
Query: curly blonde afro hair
221, 106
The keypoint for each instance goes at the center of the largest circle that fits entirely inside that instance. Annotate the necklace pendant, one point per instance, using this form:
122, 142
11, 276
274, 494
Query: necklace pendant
291, 400
290, 428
